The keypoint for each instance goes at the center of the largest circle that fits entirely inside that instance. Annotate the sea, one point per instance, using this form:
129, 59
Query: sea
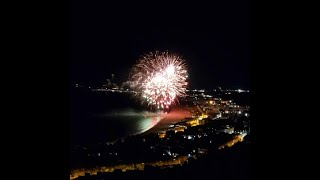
106, 116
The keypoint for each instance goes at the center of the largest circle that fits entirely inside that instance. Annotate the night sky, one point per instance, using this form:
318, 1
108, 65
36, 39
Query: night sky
215, 40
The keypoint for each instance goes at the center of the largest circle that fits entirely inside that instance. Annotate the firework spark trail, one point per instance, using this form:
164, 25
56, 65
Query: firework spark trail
159, 78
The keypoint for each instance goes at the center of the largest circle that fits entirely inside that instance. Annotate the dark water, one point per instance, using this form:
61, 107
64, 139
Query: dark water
103, 116
242, 99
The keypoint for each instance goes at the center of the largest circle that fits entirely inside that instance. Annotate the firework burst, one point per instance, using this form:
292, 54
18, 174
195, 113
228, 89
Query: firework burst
159, 78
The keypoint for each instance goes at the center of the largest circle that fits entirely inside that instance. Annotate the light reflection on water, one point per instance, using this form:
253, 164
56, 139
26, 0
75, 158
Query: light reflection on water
135, 122
148, 123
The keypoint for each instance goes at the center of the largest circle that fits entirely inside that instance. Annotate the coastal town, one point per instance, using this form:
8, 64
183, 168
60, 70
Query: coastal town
209, 123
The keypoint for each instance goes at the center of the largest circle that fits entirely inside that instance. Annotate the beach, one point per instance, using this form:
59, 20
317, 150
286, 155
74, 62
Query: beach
175, 115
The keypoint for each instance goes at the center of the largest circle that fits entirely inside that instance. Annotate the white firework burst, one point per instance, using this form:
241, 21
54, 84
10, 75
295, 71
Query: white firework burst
159, 78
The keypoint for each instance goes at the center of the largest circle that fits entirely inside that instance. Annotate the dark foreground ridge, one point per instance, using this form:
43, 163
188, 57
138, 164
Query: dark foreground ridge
229, 163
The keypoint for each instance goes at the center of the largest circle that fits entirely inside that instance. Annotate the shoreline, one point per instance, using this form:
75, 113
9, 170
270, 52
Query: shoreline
175, 115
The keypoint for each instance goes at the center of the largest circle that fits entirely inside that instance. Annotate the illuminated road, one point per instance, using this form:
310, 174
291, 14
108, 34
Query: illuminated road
236, 139
137, 166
